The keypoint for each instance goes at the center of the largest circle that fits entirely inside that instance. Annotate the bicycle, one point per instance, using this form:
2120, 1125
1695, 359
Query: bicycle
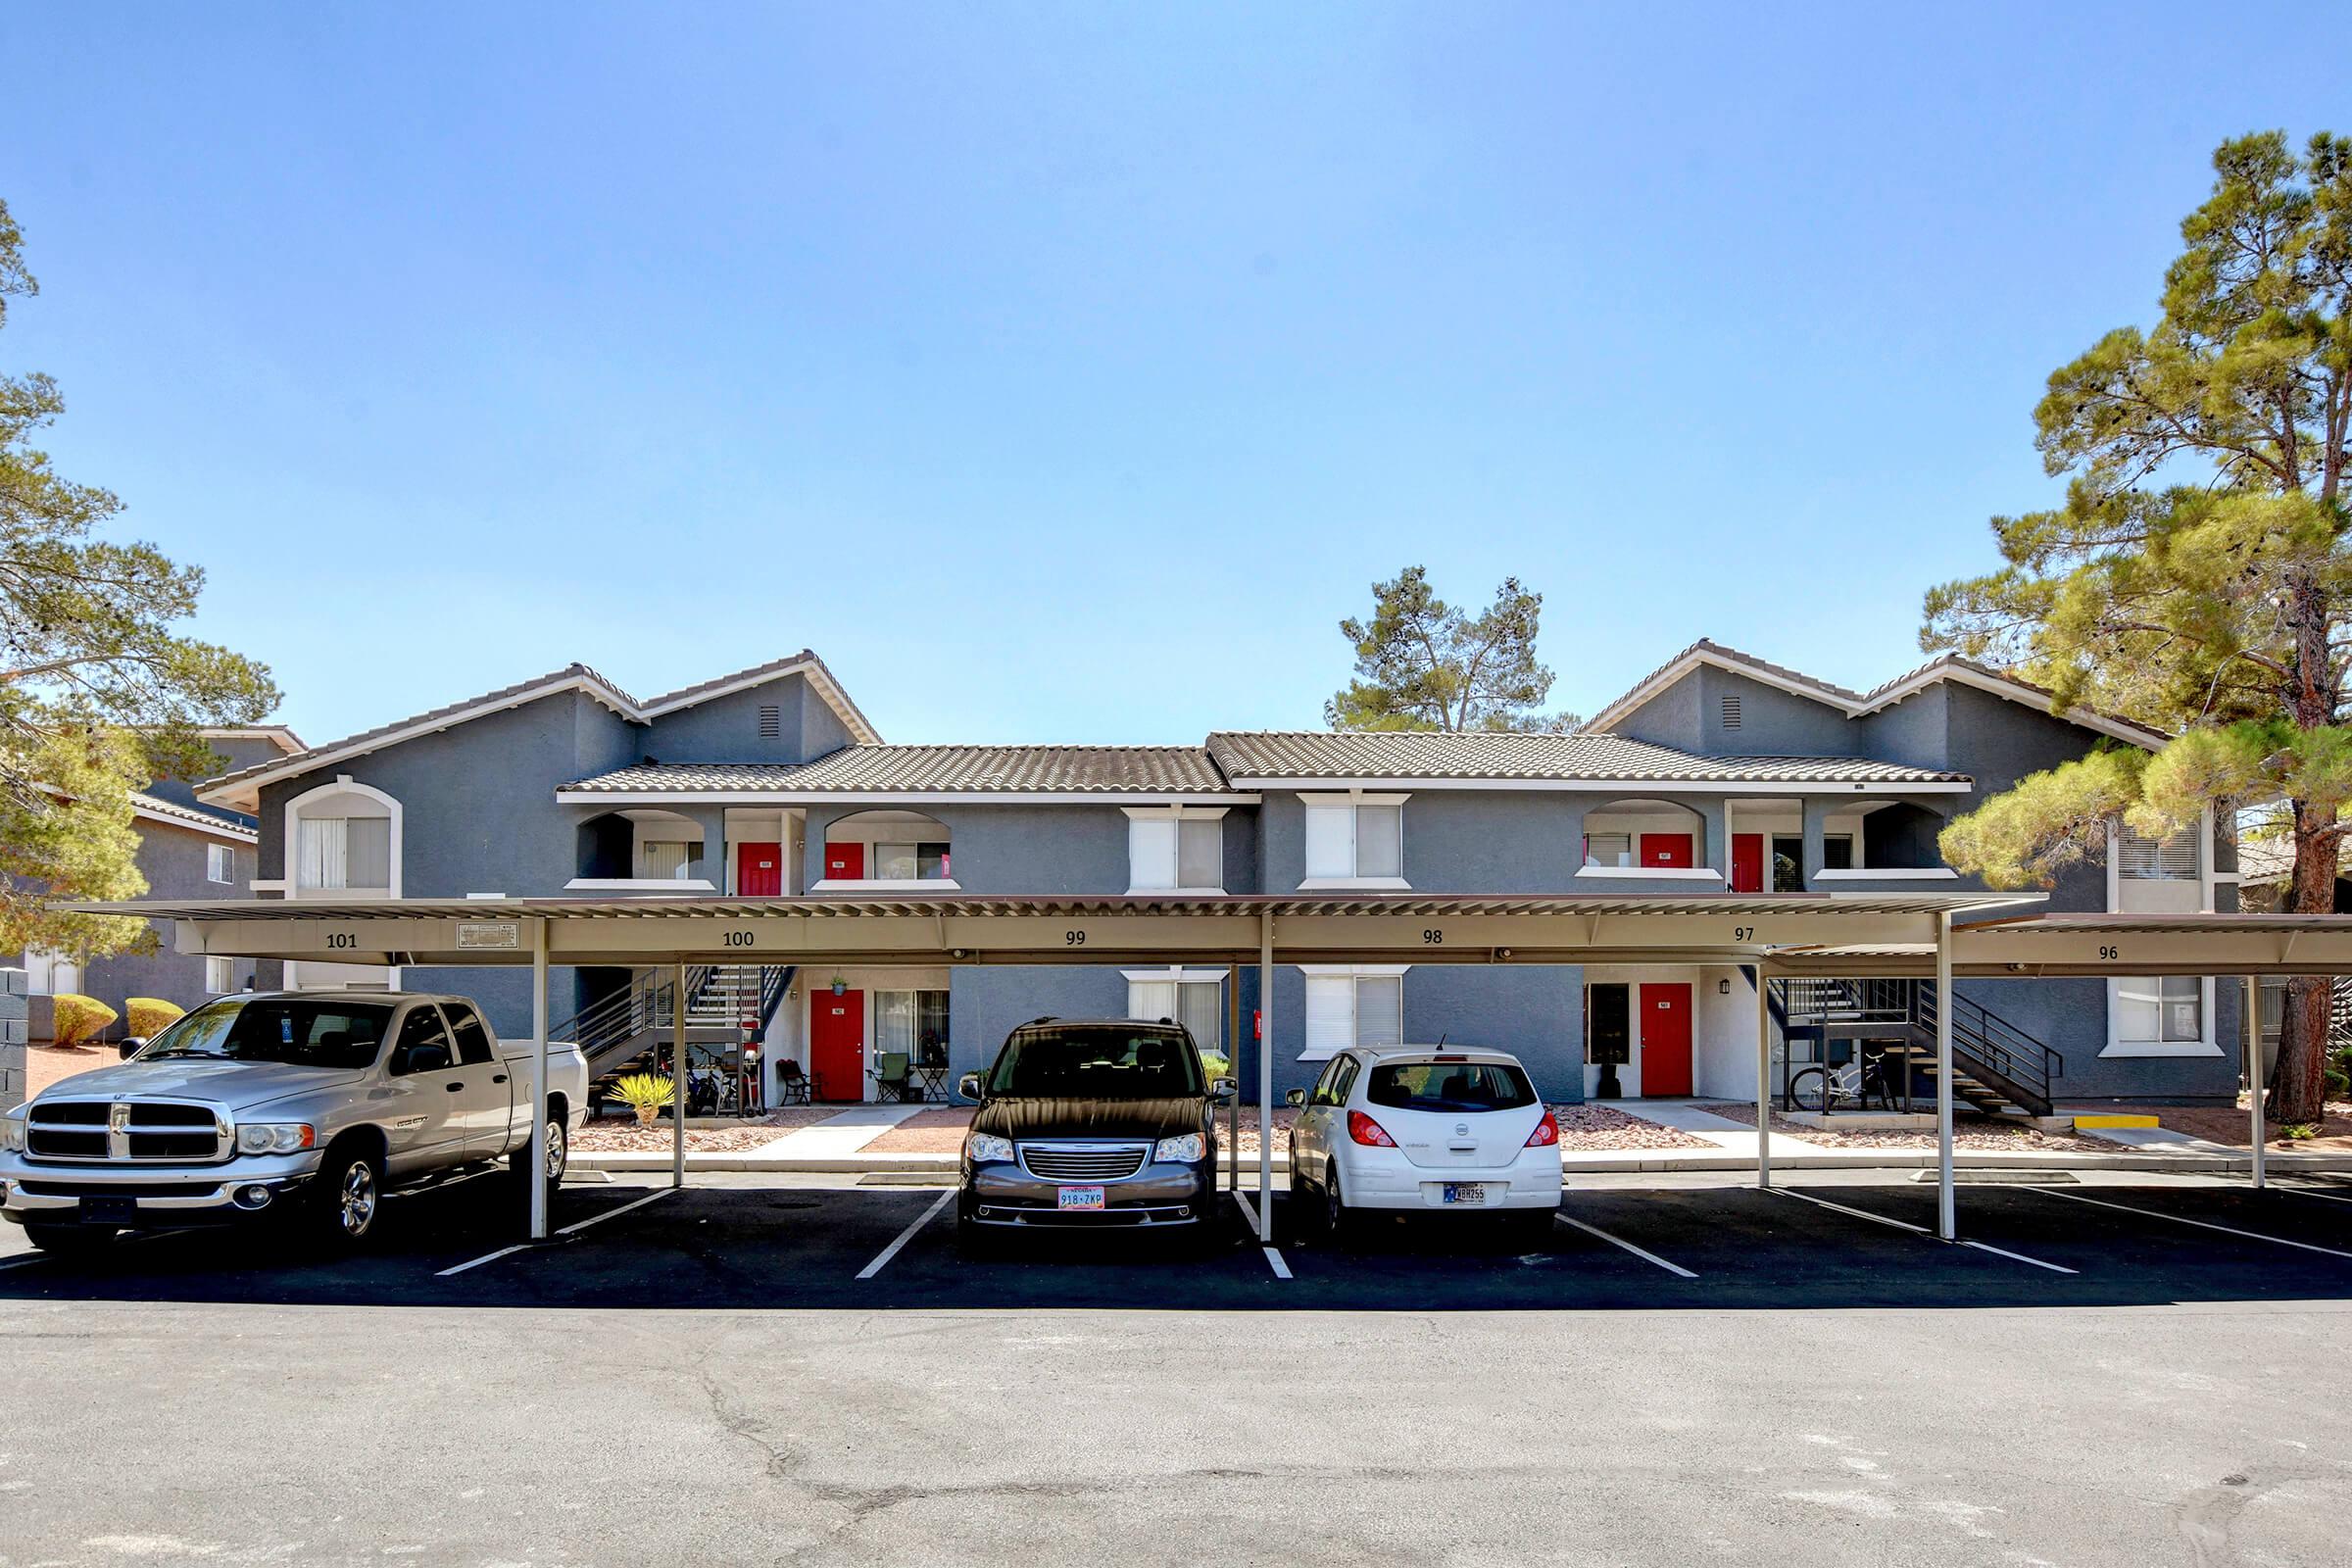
1852, 1084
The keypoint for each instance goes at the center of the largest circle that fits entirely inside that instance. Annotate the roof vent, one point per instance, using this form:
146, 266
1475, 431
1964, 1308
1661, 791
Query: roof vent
1731, 712
771, 721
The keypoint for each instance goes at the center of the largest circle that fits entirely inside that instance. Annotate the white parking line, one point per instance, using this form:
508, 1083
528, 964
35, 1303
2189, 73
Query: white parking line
1922, 1230
2310, 1192
2178, 1220
581, 1225
1274, 1260
1619, 1241
882, 1260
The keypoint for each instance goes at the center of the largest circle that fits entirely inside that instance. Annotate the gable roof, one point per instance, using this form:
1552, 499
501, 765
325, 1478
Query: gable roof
1856, 704
156, 809
242, 787
1250, 758
902, 770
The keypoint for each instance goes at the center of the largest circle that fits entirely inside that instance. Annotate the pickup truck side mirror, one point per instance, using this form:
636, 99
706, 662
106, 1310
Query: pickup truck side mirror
130, 1046
968, 1086
1295, 1099
432, 1058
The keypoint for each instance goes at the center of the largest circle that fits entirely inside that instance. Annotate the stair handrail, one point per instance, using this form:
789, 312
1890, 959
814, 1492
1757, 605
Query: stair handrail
2001, 1047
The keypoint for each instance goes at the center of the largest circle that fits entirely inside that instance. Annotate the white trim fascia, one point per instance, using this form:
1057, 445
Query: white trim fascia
1177, 810
897, 884
1355, 971
248, 789
1689, 661
1654, 873
1364, 793
1356, 884
278, 735
631, 884
2024, 696
1617, 786
1888, 873
2159, 1048
1176, 893
273, 884
885, 800
193, 823
1182, 977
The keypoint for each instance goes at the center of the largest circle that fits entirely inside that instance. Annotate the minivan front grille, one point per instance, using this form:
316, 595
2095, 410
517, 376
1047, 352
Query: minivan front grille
1083, 1163
147, 1132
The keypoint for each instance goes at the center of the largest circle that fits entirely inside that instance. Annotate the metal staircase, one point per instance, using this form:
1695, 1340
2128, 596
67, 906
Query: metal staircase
628, 1029
1997, 1067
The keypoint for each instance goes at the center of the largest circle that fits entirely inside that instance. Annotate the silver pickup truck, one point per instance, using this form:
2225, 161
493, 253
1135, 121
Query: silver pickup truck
310, 1104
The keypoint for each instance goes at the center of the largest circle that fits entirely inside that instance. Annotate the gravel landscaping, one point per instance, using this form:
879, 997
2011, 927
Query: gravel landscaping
1605, 1127
1968, 1132
627, 1138
2223, 1124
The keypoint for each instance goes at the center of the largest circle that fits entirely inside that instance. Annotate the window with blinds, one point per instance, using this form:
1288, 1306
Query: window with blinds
1165, 852
1198, 1004
1343, 1010
2168, 860
2168, 1010
913, 1021
343, 852
1355, 840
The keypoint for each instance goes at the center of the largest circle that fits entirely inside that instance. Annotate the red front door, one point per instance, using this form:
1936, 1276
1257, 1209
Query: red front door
1747, 862
1665, 1038
837, 1045
760, 871
844, 862
1665, 849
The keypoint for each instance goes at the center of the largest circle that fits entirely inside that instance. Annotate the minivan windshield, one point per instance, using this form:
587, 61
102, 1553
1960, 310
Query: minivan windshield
1098, 1062
302, 1032
1449, 1087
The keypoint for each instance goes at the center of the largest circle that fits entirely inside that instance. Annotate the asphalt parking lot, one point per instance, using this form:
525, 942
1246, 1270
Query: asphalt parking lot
746, 1373
735, 1242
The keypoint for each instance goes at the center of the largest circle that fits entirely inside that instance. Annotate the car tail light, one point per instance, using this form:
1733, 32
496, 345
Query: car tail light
1547, 1131
1364, 1130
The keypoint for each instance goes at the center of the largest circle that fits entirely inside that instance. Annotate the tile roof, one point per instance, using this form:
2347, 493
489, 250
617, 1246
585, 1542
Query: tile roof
979, 769
194, 817
1510, 754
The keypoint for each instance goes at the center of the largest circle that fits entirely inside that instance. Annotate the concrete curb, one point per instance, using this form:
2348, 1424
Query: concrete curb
1822, 1159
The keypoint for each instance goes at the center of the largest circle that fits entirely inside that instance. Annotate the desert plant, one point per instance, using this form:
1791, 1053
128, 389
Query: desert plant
151, 1015
78, 1019
644, 1092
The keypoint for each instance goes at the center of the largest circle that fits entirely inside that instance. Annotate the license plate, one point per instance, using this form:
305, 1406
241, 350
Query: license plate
109, 1211
1081, 1197
1471, 1192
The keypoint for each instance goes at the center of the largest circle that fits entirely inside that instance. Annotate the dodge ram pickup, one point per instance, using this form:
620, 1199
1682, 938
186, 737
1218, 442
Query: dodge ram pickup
312, 1104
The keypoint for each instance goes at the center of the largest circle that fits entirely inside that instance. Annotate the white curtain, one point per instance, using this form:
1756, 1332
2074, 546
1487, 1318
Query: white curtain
324, 847
1330, 840
1198, 1007
1151, 1000
1329, 1014
1151, 853
893, 1021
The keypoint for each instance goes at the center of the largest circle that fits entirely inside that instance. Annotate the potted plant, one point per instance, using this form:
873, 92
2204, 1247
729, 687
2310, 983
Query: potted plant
840, 985
644, 1092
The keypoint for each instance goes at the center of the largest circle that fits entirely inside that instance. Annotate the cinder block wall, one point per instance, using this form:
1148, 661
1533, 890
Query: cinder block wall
12, 1038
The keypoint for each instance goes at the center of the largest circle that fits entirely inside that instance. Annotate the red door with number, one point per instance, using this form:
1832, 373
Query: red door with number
837, 1045
844, 862
760, 871
1665, 1038
1747, 862
1666, 848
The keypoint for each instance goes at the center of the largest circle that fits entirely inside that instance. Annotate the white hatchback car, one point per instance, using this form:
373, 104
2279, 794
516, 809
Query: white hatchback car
1420, 1127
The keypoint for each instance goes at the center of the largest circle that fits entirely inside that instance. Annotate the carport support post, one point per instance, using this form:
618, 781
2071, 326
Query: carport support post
2253, 1021
538, 1184
1946, 1222
1763, 1080
1265, 1080
1233, 1062
677, 1067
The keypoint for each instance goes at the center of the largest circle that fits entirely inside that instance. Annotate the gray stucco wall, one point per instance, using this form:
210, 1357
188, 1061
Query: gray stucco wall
1772, 722
1670, 718
726, 729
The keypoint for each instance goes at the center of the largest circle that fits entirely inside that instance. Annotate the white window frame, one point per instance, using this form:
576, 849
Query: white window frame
342, 784
220, 976
2208, 1044
1178, 975
1350, 801
1138, 873
1350, 972
221, 864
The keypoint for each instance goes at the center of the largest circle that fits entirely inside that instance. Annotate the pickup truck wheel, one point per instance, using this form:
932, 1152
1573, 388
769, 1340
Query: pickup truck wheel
69, 1241
349, 1196
559, 1153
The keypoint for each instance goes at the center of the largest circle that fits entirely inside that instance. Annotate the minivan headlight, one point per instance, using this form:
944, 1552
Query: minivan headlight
981, 1148
1185, 1146
276, 1137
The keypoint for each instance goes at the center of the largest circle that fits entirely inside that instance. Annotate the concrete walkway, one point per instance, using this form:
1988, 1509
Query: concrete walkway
838, 1136
1733, 1137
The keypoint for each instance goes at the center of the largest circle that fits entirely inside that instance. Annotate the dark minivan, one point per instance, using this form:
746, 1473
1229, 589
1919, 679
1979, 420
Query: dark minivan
1091, 1122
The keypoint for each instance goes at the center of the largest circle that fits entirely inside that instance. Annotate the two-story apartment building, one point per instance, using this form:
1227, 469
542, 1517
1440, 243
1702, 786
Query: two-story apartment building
1719, 771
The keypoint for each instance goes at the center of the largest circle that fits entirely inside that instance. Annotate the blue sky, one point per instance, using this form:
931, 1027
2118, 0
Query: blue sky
1066, 372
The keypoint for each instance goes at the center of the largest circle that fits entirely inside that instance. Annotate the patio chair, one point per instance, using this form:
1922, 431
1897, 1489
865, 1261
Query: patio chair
893, 1077
791, 1084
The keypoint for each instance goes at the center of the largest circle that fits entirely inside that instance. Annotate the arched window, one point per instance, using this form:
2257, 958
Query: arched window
343, 838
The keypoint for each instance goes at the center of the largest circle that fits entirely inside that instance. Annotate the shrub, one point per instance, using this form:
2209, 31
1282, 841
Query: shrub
1215, 1065
151, 1015
80, 1020
643, 1093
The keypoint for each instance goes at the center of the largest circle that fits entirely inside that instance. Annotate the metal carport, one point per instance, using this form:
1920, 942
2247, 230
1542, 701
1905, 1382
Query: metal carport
1901, 934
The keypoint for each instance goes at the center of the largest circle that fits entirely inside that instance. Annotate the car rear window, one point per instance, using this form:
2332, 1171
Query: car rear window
1452, 1087
1106, 1063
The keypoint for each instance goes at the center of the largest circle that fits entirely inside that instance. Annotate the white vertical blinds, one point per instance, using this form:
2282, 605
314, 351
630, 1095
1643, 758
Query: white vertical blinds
665, 860
1329, 1014
1380, 1010
343, 852
1198, 1008
1380, 841
1151, 853
1330, 840
1200, 853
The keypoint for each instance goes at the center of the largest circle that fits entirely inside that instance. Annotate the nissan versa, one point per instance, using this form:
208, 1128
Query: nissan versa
1091, 1123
